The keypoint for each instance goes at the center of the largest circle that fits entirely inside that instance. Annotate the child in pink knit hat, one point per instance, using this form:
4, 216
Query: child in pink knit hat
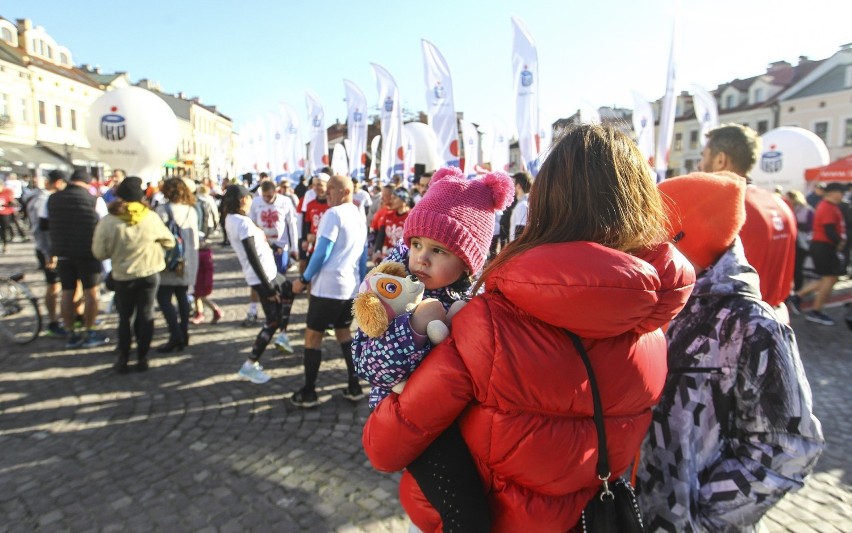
445, 242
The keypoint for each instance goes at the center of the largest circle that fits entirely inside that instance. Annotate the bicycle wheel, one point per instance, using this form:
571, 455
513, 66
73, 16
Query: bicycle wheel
20, 319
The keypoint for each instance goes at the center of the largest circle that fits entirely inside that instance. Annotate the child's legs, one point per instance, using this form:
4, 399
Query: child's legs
448, 477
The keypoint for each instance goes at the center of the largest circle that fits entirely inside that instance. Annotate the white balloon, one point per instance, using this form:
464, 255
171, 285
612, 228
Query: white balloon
134, 130
425, 145
785, 155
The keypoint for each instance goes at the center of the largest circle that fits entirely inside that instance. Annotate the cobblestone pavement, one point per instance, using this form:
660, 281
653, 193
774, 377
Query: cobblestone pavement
187, 446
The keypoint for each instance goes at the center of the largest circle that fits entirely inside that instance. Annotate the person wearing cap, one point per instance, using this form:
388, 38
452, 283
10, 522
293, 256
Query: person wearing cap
827, 244
336, 268
133, 237
72, 215
593, 259
36, 209
769, 233
390, 227
734, 430
260, 271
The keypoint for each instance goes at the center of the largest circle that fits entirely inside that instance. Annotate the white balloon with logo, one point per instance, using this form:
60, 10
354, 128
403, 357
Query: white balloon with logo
785, 155
133, 129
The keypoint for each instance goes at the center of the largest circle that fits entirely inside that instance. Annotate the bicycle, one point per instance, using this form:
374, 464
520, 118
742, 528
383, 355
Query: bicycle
20, 318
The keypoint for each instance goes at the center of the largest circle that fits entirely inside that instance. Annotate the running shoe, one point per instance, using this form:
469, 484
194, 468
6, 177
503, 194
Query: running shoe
253, 372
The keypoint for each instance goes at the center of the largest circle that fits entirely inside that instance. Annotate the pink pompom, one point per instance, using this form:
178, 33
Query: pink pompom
502, 189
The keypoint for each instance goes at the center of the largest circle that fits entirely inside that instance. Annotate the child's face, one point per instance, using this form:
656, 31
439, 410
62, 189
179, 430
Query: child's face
433, 263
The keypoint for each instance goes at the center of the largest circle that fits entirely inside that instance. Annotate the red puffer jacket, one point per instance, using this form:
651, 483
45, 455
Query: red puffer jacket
521, 390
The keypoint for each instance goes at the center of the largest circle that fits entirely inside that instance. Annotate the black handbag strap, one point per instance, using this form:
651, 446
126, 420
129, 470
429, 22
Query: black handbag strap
603, 470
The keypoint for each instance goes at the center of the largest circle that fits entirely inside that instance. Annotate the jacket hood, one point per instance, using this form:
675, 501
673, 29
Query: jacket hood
595, 291
730, 274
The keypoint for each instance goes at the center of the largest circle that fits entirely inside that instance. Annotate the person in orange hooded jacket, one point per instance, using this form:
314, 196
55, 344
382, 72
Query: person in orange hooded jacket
593, 259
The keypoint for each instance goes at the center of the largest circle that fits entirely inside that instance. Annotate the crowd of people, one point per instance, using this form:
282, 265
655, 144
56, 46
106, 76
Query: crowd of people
678, 293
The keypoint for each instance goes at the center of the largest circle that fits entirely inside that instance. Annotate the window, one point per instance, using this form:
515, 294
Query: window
687, 164
74, 120
58, 116
63, 58
6, 35
678, 141
821, 130
729, 101
4, 106
847, 135
758, 95
693, 139
42, 115
25, 117
762, 126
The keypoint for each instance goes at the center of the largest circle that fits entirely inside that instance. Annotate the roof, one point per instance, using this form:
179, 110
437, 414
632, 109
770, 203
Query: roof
11, 55
179, 106
102, 79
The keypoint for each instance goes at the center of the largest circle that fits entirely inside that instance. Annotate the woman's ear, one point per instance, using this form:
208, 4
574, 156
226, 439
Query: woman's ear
371, 314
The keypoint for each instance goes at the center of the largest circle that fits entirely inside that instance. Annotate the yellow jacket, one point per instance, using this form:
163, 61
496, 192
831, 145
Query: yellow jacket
133, 241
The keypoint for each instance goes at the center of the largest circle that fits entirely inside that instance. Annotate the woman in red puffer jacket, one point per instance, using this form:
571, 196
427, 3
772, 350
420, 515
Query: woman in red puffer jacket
592, 260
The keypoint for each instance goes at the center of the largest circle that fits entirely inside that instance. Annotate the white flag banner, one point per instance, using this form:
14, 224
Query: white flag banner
374, 156
545, 136
318, 150
339, 161
245, 153
261, 149
276, 144
643, 126
356, 126
525, 70
390, 112
439, 103
499, 146
294, 149
409, 142
667, 113
471, 148
706, 111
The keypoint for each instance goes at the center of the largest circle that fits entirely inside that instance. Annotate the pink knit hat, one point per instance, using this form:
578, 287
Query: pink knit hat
459, 213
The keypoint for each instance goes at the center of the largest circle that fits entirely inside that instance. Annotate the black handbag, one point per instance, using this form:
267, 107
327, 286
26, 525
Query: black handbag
614, 508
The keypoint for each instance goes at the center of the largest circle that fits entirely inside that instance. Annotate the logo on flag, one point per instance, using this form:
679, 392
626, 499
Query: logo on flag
500, 139
113, 127
526, 77
277, 136
357, 116
644, 122
317, 122
388, 104
292, 129
706, 117
439, 91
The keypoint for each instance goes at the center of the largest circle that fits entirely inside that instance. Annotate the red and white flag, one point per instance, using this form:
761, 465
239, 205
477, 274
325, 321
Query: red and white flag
525, 72
471, 148
706, 111
374, 156
356, 126
667, 113
439, 103
318, 149
643, 126
390, 113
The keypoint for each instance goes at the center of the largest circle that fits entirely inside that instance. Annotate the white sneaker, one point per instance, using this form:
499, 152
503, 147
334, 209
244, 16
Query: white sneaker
253, 372
283, 343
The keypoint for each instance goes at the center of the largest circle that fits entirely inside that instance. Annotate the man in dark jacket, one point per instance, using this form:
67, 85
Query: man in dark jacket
71, 221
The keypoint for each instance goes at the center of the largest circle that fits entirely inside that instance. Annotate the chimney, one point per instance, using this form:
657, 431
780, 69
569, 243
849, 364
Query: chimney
97, 69
86, 67
803, 59
24, 25
776, 66
181, 95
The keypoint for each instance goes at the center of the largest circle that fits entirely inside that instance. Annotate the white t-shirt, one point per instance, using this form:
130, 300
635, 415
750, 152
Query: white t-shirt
239, 227
362, 200
519, 216
339, 277
277, 221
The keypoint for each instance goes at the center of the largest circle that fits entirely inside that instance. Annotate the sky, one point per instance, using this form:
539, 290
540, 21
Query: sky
246, 56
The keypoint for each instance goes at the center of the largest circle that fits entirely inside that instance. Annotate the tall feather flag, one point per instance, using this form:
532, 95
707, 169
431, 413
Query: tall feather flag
667, 113
339, 161
471, 148
318, 150
706, 111
439, 103
525, 70
499, 146
390, 112
294, 149
261, 152
374, 156
643, 126
276, 144
356, 126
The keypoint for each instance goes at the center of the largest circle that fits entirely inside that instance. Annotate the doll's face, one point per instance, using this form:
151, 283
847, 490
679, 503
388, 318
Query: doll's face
400, 294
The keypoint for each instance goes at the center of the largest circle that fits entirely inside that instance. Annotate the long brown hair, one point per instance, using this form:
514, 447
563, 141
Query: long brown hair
595, 186
176, 192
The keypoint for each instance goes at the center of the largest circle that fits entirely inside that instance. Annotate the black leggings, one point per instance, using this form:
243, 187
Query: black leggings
277, 314
6, 226
448, 477
136, 295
